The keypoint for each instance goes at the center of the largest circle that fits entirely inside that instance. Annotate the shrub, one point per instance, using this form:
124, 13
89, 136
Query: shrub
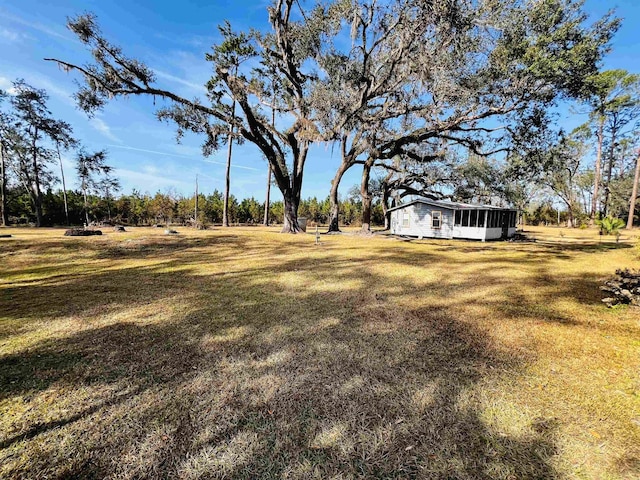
610, 225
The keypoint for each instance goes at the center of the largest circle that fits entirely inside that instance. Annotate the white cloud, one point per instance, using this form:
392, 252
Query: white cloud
104, 129
12, 36
7, 86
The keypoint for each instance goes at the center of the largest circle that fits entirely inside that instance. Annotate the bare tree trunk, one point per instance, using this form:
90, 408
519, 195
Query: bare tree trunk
607, 190
366, 196
86, 204
334, 202
596, 182
4, 217
37, 194
108, 199
267, 199
291, 202
385, 207
570, 221
227, 180
64, 185
623, 156
386, 195
634, 193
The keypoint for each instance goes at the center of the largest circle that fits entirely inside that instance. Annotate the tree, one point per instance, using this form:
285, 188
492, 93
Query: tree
94, 175
614, 99
486, 92
285, 55
33, 124
562, 170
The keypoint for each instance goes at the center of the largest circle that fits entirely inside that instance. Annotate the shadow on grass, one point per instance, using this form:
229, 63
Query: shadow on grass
253, 378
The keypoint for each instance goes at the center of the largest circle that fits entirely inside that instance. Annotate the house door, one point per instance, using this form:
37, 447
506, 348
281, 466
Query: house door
504, 217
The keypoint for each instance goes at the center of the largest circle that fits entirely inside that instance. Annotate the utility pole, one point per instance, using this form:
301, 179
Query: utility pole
195, 213
634, 192
267, 198
3, 186
64, 186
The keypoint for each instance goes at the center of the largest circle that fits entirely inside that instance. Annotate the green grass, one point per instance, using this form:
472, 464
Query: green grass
243, 353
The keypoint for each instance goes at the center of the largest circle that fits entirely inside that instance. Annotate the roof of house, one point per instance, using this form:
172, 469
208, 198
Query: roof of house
450, 205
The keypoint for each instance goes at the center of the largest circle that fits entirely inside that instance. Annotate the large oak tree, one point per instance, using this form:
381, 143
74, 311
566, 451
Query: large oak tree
423, 78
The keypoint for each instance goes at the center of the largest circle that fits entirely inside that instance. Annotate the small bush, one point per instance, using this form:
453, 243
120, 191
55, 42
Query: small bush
610, 225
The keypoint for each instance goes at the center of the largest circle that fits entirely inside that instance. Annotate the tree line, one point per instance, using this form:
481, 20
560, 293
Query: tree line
164, 208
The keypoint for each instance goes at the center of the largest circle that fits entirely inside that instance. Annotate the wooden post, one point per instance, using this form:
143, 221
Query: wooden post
317, 236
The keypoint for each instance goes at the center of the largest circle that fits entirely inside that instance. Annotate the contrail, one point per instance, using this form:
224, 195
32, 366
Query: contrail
179, 156
237, 166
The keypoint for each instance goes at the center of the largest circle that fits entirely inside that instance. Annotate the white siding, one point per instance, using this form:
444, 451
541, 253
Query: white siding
493, 233
420, 218
471, 233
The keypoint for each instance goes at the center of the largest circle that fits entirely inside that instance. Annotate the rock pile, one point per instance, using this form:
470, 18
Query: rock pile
624, 288
81, 232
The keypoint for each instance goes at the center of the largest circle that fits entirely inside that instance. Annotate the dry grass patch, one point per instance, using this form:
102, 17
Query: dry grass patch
242, 353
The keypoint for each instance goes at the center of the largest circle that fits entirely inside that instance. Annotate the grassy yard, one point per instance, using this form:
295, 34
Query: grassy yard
243, 353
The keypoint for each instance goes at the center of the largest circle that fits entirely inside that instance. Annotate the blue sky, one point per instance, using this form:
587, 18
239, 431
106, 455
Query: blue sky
171, 38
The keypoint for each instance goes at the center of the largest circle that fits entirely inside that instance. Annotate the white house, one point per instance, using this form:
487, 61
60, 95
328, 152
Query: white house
445, 219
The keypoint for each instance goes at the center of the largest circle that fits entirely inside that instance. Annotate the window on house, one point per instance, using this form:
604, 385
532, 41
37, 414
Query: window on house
405, 218
436, 219
481, 214
514, 219
465, 218
473, 220
489, 218
458, 218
